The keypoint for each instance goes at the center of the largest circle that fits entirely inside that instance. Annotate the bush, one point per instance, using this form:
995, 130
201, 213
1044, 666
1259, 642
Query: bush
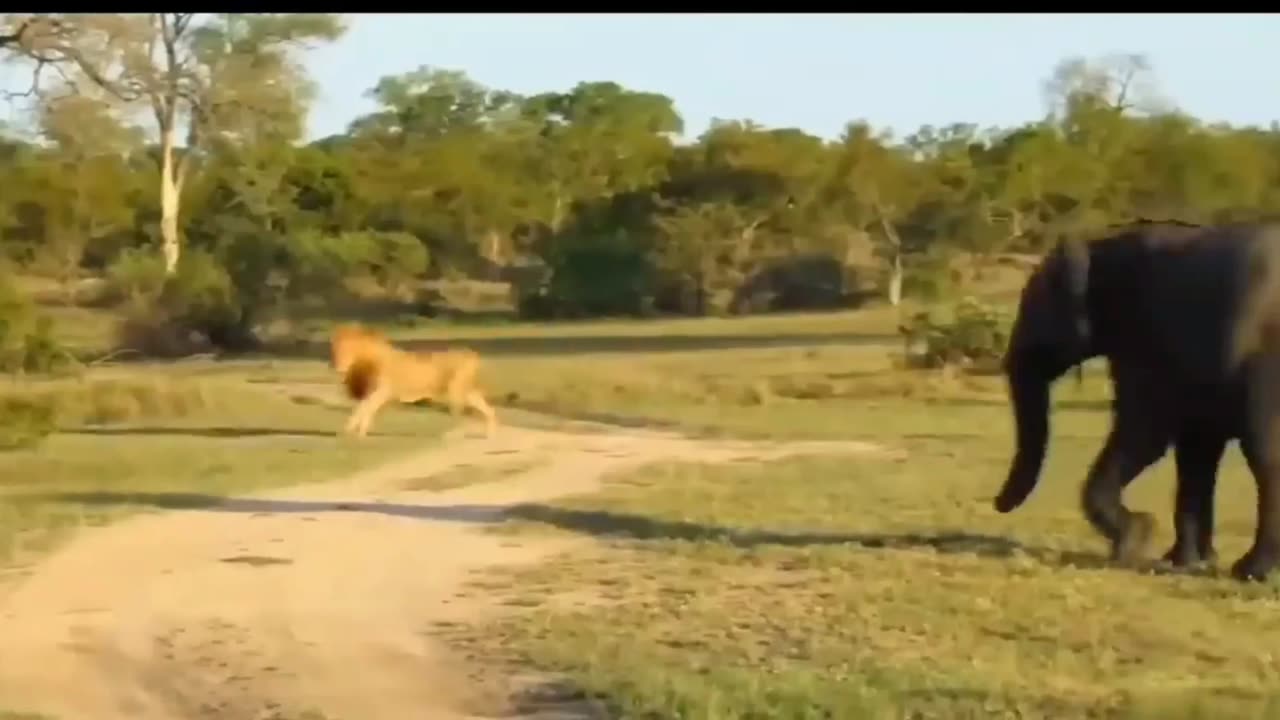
397, 258
136, 275
320, 264
201, 294
974, 336
537, 305
593, 271
149, 330
930, 276
27, 343
195, 310
25, 421
216, 299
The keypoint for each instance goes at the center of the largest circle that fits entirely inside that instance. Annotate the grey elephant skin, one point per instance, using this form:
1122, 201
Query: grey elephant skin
1189, 319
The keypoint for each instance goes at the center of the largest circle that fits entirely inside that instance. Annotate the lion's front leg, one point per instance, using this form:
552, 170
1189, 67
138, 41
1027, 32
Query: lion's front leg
352, 420
362, 417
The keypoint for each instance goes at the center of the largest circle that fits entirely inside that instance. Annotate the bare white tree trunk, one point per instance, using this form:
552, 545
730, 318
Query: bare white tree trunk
895, 261
494, 247
169, 243
895, 279
165, 106
557, 213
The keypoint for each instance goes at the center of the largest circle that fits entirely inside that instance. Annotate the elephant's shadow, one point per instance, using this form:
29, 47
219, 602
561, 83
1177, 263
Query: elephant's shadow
629, 526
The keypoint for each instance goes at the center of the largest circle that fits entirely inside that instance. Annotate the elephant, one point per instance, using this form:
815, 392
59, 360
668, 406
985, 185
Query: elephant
1188, 318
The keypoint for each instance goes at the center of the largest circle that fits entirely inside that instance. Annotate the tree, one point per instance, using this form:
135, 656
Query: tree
1121, 82
733, 203
1095, 107
83, 181
442, 158
431, 102
596, 140
223, 77
874, 186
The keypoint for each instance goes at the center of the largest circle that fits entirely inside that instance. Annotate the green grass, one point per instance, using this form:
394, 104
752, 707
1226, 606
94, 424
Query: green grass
143, 439
847, 587
808, 588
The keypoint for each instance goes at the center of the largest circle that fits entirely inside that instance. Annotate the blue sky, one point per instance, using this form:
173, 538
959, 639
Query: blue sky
815, 72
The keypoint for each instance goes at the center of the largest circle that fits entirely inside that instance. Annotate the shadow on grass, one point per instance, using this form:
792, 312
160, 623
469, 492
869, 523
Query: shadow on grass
591, 344
558, 699
480, 514
222, 432
11, 715
604, 523
608, 524
210, 432
982, 402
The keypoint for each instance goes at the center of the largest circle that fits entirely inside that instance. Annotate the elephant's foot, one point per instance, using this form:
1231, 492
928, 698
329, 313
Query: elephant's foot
1187, 555
1134, 536
1255, 565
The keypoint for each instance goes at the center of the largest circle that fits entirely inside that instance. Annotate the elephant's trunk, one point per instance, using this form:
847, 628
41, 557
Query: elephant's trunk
1031, 413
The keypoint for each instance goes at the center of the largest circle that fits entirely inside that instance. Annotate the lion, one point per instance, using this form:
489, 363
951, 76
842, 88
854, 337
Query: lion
375, 372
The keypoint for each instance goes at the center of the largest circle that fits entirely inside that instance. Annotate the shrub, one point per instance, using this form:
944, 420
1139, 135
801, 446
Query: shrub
397, 258
196, 309
25, 421
136, 275
217, 299
149, 330
320, 265
973, 336
201, 294
27, 343
930, 276
43, 353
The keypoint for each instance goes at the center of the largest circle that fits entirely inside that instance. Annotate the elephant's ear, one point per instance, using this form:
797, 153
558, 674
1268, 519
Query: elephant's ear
1075, 270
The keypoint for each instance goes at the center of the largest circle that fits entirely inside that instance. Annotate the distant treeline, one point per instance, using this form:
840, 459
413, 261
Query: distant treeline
580, 198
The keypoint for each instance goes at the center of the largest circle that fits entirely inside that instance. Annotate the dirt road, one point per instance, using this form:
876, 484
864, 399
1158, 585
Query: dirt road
315, 602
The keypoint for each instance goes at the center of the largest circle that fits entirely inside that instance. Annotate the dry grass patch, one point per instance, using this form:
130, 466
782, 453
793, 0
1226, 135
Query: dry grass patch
463, 475
780, 393
31, 410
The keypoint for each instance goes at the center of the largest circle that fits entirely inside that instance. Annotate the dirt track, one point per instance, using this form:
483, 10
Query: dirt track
317, 599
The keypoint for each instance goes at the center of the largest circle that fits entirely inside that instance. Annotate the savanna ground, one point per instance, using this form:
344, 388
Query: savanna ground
742, 584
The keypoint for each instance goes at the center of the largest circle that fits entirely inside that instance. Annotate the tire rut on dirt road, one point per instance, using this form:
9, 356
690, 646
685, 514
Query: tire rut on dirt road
311, 602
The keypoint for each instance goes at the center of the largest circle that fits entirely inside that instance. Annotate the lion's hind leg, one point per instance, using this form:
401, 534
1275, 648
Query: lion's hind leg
475, 400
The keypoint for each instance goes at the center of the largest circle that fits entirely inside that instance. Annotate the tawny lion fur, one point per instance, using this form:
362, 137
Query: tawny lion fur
375, 372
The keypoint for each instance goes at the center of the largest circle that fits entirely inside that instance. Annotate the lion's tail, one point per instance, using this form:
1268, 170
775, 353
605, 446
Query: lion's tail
360, 377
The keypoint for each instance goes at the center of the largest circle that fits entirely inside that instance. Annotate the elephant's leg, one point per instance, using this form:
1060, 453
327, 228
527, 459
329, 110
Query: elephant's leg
1133, 445
1197, 455
1261, 446
1264, 462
